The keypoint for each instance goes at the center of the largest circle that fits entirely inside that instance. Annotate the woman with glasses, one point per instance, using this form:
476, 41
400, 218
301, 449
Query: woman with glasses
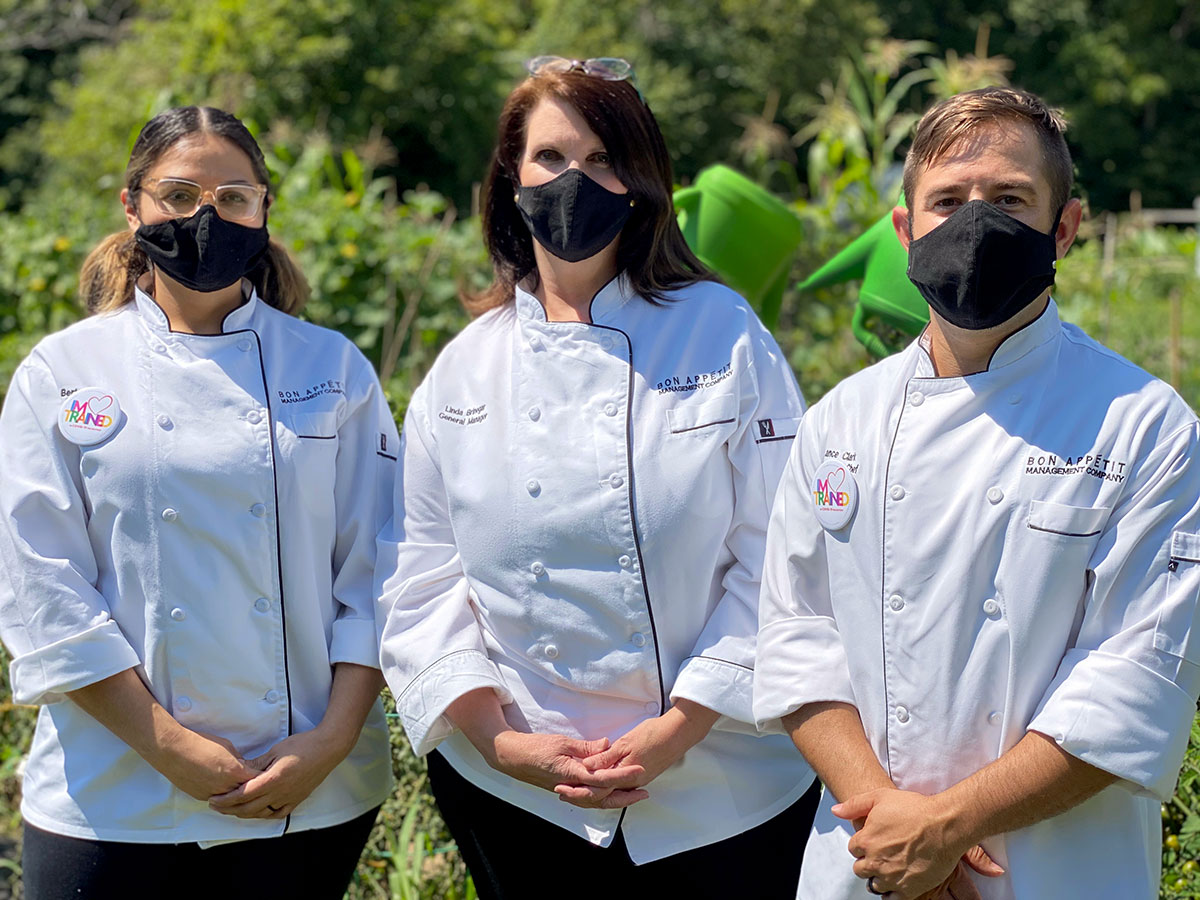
569, 584
192, 488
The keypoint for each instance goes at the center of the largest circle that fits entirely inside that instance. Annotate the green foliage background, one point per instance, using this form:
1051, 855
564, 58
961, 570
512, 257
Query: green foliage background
377, 120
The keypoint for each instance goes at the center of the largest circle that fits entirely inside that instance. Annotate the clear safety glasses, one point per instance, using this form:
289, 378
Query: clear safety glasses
180, 198
609, 68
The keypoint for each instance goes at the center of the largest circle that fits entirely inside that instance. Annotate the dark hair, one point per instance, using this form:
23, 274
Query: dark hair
114, 266
652, 252
952, 119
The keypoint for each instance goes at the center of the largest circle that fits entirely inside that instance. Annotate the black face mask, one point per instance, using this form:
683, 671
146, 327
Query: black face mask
981, 267
203, 252
572, 216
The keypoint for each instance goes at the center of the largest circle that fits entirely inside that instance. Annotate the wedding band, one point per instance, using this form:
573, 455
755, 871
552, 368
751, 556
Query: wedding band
278, 808
871, 887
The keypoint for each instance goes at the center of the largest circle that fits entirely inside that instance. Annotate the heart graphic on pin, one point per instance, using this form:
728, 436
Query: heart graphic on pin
99, 403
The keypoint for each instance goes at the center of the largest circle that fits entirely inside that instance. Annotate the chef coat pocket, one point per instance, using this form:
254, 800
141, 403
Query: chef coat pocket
703, 417
1174, 632
314, 426
1065, 521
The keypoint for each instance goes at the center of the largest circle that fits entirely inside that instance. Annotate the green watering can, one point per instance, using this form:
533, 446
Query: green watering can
743, 233
886, 295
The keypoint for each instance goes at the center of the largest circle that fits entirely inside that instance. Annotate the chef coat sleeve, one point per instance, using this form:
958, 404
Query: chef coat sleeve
800, 655
431, 645
55, 624
1124, 696
365, 472
719, 673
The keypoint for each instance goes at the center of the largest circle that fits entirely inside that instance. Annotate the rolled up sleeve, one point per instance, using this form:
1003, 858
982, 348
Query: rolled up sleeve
719, 673
55, 624
1124, 696
365, 474
431, 646
800, 656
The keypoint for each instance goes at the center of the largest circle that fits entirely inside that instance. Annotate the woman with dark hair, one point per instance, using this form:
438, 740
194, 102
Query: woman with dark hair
188, 512
569, 584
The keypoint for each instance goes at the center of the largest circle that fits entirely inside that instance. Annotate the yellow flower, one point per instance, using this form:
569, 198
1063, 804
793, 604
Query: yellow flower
38, 283
349, 250
62, 244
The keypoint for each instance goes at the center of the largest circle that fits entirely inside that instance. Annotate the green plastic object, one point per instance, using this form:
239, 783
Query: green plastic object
743, 233
880, 260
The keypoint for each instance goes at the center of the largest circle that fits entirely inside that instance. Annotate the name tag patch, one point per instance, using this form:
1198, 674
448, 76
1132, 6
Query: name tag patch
89, 416
835, 494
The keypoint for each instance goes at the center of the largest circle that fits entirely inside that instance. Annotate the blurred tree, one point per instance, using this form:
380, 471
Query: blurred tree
421, 76
1128, 75
39, 43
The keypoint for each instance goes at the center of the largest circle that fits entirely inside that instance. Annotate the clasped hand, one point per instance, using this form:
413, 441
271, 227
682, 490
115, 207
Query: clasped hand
903, 841
596, 774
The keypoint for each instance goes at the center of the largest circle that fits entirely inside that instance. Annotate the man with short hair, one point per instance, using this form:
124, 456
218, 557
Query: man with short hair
978, 617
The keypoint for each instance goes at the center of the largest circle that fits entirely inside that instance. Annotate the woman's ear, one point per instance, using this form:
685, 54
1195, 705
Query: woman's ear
131, 213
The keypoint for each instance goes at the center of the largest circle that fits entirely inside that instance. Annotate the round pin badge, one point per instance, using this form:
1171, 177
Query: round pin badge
835, 494
89, 416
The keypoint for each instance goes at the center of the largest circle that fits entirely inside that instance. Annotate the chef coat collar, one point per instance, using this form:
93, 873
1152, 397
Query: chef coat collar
610, 298
235, 320
1013, 348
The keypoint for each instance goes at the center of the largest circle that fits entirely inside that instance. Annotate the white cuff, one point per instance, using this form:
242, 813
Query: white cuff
1119, 716
722, 686
353, 640
46, 674
800, 660
423, 702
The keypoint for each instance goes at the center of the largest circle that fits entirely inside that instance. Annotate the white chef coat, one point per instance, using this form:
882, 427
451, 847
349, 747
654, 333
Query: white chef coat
1024, 556
579, 524
221, 541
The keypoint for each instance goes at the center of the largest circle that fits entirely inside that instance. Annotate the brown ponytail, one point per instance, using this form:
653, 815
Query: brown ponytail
110, 271
279, 281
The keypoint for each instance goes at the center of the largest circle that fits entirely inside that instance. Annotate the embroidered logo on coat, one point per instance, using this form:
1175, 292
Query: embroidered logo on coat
766, 428
463, 416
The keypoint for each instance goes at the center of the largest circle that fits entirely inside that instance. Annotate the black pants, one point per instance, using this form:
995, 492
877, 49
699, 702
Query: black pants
514, 855
313, 865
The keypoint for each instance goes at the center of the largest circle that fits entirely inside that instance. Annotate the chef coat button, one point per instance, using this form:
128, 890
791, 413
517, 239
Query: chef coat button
638, 639
1014, 399
535, 343
258, 510
533, 487
616, 481
535, 414
606, 342
254, 417
896, 602
916, 398
994, 717
624, 561
164, 421
272, 697
160, 348
897, 492
244, 345
178, 614
610, 409
995, 495
991, 607
652, 708
183, 704
262, 604
551, 651
169, 515
901, 714
538, 569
